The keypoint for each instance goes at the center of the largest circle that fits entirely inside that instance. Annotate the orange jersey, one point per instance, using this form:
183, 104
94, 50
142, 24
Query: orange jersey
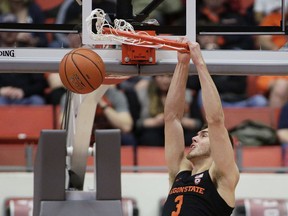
195, 195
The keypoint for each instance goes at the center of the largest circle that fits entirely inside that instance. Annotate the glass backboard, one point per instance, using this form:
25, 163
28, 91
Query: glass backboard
181, 21
256, 62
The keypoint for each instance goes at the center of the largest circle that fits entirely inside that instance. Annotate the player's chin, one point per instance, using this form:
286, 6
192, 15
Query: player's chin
190, 155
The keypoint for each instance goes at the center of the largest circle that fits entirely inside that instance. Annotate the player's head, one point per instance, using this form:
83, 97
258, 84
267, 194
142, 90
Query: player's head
200, 147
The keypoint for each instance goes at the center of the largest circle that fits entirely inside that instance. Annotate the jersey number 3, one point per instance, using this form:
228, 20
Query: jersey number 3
179, 201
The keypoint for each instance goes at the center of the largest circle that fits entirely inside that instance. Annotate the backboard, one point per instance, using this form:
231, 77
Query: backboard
220, 62
183, 16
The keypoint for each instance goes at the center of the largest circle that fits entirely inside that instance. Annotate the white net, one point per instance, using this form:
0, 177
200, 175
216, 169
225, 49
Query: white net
107, 32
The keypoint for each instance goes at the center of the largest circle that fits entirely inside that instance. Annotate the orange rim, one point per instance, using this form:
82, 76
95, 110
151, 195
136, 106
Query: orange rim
114, 80
167, 44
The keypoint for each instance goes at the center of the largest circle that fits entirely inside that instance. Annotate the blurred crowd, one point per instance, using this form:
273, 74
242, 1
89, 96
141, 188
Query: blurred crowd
138, 101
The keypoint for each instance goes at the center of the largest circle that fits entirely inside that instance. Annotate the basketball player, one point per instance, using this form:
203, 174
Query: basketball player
203, 181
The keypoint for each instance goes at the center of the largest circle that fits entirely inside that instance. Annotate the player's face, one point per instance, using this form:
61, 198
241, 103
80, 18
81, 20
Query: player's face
200, 145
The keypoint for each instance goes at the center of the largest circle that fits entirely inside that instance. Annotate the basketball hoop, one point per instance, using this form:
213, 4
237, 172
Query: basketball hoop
123, 32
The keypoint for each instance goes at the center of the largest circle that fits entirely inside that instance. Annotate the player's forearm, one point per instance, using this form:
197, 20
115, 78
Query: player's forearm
175, 101
210, 96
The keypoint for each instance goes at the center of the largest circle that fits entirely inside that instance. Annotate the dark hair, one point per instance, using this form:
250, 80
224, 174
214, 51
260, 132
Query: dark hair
230, 136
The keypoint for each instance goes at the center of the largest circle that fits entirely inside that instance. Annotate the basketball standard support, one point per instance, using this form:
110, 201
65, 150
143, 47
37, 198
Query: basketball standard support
81, 134
50, 196
107, 164
49, 170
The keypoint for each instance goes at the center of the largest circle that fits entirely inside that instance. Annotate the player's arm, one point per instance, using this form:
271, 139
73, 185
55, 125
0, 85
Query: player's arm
224, 167
173, 113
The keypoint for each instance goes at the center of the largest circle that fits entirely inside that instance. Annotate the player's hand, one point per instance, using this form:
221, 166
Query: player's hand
183, 57
195, 53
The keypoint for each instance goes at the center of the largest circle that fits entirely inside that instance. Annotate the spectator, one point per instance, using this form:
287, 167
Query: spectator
169, 12
264, 7
4, 6
113, 112
19, 88
50, 10
271, 42
232, 89
223, 12
113, 109
22, 89
133, 82
283, 124
208, 42
56, 88
70, 12
29, 12
150, 125
285, 47
275, 88
282, 132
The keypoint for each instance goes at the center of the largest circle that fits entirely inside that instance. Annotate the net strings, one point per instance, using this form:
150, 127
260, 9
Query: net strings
119, 25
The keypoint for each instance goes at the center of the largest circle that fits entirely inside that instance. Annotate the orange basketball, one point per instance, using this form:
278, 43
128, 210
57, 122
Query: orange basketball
82, 70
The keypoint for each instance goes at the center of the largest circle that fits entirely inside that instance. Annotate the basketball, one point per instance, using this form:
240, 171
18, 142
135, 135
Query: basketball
82, 70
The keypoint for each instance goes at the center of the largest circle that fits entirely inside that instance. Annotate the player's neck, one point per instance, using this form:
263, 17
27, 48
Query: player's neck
201, 165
